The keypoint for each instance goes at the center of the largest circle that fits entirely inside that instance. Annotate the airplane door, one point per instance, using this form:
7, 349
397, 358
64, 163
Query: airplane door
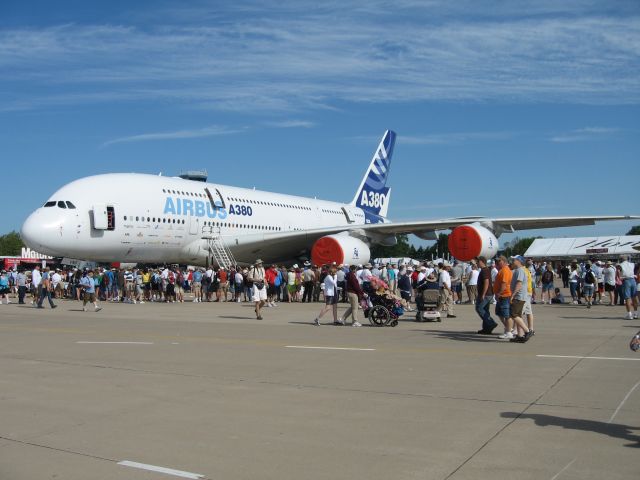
348, 216
216, 200
100, 217
194, 225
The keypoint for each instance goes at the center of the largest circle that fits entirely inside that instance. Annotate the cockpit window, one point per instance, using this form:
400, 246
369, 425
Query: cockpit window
70, 205
61, 204
50, 204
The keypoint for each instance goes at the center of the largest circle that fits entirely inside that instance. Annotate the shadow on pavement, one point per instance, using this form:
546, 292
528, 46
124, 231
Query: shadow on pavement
614, 430
460, 336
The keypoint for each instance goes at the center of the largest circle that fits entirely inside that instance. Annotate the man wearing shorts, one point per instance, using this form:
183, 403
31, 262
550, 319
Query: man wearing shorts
519, 297
629, 288
547, 283
89, 291
259, 288
502, 292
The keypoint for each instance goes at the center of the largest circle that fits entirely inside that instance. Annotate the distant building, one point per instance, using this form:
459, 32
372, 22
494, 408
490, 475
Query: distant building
584, 247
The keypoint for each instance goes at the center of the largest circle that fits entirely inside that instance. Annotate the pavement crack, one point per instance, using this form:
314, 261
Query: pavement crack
56, 449
305, 386
531, 404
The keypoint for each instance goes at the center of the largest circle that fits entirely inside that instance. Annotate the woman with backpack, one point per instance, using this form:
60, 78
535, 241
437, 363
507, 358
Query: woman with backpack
590, 284
547, 283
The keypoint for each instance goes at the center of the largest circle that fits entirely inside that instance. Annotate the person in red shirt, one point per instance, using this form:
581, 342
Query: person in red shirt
354, 295
223, 285
270, 275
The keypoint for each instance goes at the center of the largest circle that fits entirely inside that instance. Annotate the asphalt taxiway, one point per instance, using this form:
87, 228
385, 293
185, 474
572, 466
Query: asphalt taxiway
206, 391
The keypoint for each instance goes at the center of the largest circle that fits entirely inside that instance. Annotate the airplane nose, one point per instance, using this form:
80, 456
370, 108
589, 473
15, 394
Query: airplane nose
43, 232
31, 231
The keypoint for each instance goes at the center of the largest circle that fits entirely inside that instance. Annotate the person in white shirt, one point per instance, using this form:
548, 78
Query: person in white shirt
366, 275
341, 277
330, 297
446, 294
629, 288
597, 269
609, 275
472, 284
375, 271
422, 275
36, 278
259, 289
574, 280
56, 284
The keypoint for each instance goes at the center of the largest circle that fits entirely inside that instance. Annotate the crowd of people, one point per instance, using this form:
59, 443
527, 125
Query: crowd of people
511, 285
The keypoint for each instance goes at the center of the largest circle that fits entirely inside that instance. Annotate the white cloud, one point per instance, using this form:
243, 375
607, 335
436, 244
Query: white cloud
291, 124
287, 57
454, 137
584, 134
211, 131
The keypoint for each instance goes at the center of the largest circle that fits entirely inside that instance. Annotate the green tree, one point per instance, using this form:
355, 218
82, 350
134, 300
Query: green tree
518, 246
400, 249
634, 230
10, 244
440, 249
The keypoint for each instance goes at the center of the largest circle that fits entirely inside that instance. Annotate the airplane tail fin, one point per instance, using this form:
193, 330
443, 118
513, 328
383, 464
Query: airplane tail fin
373, 195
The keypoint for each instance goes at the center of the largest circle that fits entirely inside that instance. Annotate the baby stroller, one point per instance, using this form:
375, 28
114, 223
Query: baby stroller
427, 298
381, 311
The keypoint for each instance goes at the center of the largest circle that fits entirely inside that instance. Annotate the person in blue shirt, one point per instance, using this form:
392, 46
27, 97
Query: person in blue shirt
4, 287
196, 285
44, 289
88, 285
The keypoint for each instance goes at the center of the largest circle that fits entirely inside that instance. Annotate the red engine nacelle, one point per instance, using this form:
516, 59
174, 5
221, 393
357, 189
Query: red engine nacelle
341, 249
467, 242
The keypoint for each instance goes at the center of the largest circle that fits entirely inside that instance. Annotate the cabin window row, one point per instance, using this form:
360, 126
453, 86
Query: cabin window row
243, 225
268, 204
131, 218
186, 194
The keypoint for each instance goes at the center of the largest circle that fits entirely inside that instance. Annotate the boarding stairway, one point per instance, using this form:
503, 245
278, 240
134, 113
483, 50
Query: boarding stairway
218, 250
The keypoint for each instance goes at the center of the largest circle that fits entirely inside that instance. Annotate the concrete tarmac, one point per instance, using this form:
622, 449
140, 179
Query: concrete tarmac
209, 392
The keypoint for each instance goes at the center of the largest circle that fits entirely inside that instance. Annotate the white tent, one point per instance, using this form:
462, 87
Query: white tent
584, 247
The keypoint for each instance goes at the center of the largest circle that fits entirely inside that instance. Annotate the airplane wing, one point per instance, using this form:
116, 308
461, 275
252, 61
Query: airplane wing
499, 225
296, 242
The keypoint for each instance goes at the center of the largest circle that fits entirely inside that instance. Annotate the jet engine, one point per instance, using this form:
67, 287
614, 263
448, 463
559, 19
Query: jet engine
469, 241
340, 248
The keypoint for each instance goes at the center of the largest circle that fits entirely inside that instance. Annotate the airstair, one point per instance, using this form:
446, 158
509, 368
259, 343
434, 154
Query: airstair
218, 250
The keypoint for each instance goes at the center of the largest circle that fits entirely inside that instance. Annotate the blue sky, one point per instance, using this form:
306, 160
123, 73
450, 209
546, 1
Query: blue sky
501, 108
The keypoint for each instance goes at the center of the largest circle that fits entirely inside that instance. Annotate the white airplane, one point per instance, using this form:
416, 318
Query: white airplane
129, 217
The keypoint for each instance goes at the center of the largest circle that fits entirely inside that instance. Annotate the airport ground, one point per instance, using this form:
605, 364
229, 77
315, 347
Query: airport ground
208, 391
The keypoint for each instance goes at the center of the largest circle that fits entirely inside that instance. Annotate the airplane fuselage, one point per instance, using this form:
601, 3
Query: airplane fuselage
148, 218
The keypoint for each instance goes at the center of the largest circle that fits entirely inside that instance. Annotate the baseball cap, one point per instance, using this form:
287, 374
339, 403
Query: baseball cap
520, 258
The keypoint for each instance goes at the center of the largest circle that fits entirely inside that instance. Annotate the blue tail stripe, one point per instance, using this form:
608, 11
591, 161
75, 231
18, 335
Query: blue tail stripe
373, 192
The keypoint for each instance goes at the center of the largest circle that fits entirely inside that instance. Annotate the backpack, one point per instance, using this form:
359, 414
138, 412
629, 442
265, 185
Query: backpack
547, 277
278, 280
589, 278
